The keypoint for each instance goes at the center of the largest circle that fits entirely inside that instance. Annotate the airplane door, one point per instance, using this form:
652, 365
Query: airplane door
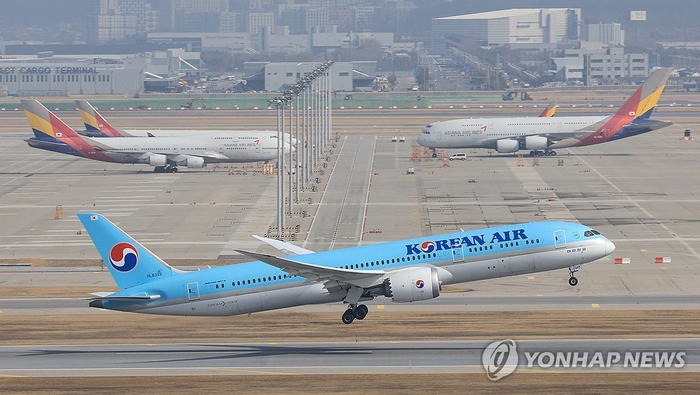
559, 239
438, 136
504, 266
193, 291
522, 264
249, 303
176, 149
458, 254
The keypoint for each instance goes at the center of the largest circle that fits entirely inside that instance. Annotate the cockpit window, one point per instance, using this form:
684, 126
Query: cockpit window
590, 233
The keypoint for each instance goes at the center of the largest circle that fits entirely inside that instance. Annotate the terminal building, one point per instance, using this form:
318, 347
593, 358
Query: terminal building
63, 76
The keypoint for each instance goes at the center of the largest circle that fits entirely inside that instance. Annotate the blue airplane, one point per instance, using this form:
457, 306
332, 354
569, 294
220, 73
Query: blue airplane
405, 271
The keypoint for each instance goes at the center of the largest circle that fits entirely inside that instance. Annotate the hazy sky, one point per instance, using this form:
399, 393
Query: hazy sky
669, 14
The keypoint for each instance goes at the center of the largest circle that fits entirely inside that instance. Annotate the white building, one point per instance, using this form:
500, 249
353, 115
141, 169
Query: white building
62, 76
606, 33
515, 27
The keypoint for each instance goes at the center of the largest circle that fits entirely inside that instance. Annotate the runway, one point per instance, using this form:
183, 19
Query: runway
322, 358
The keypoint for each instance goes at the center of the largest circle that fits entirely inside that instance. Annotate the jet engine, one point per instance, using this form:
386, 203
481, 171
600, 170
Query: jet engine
536, 142
192, 161
410, 285
507, 145
155, 160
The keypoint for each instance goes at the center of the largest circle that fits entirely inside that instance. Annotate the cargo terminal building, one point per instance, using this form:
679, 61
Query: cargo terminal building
66, 75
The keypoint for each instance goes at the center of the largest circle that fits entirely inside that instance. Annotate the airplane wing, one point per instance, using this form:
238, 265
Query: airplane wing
360, 278
287, 249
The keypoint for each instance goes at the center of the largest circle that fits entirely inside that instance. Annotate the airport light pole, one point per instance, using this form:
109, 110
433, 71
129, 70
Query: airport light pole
314, 131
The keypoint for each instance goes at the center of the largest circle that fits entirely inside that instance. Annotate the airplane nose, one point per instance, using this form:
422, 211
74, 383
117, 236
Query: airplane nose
609, 247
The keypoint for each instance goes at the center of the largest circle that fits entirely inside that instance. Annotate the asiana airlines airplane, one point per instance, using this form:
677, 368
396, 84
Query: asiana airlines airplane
542, 135
406, 271
165, 154
97, 126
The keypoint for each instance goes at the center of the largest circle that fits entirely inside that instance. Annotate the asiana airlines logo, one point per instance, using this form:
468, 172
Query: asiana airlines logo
429, 246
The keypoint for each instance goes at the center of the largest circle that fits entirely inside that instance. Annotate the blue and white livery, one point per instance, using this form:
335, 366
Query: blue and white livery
405, 271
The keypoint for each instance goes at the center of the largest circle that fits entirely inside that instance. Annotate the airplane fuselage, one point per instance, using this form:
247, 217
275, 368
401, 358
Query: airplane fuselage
486, 132
458, 257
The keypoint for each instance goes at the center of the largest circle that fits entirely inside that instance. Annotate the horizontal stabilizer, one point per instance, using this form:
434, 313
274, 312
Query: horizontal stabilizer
316, 272
125, 298
648, 125
288, 249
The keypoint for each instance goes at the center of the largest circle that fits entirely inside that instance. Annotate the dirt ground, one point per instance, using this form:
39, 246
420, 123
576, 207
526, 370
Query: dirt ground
525, 383
292, 326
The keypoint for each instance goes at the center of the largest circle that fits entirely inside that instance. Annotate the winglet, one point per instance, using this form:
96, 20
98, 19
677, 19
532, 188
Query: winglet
550, 110
94, 122
129, 262
287, 249
643, 100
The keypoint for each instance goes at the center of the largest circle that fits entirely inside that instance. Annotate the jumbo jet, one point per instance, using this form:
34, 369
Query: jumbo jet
542, 135
97, 126
164, 153
406, 271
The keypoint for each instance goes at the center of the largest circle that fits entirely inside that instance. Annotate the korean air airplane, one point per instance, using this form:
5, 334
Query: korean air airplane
97, 126
542, 135
164, 153
405, 271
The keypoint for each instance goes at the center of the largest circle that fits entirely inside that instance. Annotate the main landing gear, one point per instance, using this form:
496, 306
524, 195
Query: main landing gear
434, 152
165, 169
547, 152
573, 281
355, 312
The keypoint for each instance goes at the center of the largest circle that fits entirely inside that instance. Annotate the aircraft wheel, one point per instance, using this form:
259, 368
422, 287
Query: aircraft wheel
361, 312
348, 316
434, 154
532, 153
174, 170
573, 281
159, 169
553, 153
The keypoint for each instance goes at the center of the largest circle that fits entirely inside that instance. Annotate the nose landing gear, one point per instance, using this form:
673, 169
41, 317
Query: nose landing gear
573, 281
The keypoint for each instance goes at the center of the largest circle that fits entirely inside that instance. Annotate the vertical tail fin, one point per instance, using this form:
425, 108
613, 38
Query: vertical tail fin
550, 110
44, 122
94, 122
129, 262
643, 100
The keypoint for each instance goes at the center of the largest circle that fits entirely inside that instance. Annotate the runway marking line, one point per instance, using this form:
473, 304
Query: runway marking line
530, 277
255, 371
11, 376
540, 295
380, 307
595, 305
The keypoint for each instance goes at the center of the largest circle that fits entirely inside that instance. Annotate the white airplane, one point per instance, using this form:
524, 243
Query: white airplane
97, 126
542, 135
164, 153
406, 271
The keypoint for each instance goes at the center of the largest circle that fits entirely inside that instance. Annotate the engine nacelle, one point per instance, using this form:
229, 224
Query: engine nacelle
410, 285
536, 142
192, 161
507, 145
155, 160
